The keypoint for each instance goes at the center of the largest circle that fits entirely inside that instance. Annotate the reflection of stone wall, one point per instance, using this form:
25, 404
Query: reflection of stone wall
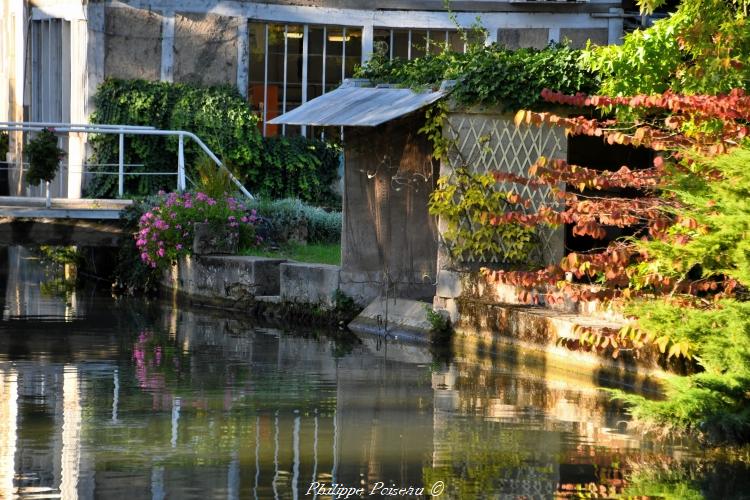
205, 49
132, 44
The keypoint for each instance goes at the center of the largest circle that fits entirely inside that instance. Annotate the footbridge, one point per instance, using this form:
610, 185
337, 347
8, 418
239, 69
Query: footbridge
28, 220
61, 221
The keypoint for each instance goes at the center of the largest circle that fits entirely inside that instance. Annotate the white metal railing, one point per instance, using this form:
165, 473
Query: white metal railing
121, 131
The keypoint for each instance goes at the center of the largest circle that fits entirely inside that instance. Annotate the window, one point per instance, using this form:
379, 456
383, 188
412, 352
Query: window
413, 43
291, 64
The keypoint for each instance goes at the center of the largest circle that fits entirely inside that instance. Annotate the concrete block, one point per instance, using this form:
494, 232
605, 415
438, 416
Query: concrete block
210, 239
231, 278
260, 273
309, 283
449, 284
401, 318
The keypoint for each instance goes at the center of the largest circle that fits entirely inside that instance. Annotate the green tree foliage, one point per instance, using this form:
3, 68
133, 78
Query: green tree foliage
221, 117
704, 47
714, 403
44, 157
713, 247
489, 75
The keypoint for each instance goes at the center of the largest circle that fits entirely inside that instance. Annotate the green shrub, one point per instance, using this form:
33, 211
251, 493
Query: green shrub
4, 145
275, 167
322, 226
44, 158
220, 116
297, 167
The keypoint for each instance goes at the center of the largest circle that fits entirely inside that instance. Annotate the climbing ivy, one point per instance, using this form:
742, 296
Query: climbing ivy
488, 75
222, 118
297, 167
464, 201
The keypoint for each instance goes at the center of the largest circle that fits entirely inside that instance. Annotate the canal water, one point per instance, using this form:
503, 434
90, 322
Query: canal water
104, 397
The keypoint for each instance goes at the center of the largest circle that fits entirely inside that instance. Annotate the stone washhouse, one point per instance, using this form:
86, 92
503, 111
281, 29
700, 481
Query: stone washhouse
390, 242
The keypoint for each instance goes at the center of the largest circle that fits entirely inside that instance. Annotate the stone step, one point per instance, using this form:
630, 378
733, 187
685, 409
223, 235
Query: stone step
309, 283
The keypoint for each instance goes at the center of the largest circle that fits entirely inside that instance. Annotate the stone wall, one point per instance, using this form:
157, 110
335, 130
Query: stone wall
132, 43
205, 49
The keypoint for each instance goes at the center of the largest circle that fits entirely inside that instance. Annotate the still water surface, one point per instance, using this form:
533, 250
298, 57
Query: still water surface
124, 398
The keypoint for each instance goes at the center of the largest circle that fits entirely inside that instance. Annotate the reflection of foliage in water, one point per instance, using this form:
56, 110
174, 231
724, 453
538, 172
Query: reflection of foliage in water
471, 466
61, 265
58, 287
158, 363
720, 473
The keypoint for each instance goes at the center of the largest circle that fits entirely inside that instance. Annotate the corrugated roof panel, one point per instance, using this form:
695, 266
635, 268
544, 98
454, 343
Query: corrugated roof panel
354, 106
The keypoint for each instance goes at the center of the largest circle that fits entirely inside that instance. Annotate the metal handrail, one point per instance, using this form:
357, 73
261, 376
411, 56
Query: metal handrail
121, 131
55, 125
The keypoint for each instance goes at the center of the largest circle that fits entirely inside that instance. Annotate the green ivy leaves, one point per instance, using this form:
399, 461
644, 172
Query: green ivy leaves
489, 75
465, 202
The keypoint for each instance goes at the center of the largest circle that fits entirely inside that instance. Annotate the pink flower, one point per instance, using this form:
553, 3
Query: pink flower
144, 256
178, 247
160, 252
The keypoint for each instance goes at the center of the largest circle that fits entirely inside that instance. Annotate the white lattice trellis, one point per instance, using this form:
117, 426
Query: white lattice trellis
491, 142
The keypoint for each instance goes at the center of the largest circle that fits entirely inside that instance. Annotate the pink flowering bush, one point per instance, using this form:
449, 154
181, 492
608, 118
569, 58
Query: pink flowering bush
165, 232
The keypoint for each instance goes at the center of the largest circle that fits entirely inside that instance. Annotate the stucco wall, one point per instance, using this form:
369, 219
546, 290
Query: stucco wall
388, 178
515, 38
205, 49
132, 47
579, 37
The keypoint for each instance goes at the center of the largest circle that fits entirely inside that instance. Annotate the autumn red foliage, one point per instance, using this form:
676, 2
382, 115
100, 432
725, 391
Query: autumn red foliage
676, 127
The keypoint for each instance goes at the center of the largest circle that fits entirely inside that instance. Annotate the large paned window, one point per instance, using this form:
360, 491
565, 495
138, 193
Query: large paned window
413, 43
291, 64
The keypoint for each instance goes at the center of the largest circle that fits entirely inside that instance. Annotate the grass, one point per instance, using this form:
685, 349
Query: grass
321, 253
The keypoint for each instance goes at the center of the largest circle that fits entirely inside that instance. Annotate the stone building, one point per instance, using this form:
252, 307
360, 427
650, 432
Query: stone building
279, 53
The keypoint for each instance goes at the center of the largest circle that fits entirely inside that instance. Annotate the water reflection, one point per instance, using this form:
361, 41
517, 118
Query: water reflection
128, 399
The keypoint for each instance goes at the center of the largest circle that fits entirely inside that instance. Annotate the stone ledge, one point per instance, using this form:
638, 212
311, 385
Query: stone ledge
540, 329
309, 283
229, 278
407, 320
458, 285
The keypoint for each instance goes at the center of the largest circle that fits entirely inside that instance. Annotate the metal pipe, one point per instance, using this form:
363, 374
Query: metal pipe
121, 167
181, 164
60, 124
190, 135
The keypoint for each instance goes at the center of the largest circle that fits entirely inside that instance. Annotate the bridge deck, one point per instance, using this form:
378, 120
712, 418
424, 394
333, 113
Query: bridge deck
61, 208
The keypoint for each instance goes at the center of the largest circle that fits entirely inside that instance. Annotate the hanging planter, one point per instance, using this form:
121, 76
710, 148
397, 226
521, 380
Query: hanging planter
44, 158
